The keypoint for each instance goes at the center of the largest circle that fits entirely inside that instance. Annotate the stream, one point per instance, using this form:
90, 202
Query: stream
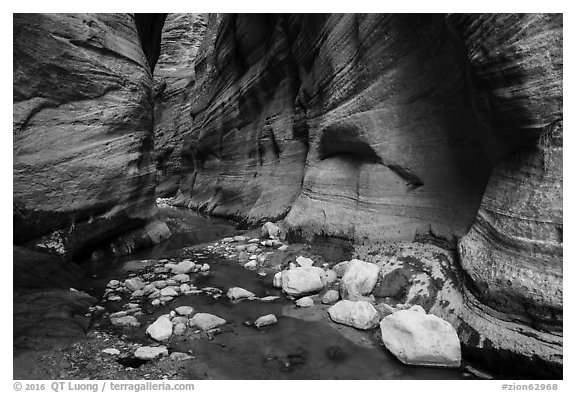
304, 344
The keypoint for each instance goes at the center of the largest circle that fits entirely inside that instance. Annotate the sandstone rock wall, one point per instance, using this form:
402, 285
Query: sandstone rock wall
513, 252
379, 128
82, 130
173, 78
356, 126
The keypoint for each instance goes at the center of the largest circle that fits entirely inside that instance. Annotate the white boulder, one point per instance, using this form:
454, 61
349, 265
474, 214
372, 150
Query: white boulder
306, 301
149, 353
184, 310
358, 314
359, 280
236, 293
265, 320
161, 329
184, 267
421, 339
206, 321
270, 230
301, 281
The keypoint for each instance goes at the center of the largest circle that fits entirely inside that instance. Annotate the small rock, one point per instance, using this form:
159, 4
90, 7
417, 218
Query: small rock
305, 302
228, 240
185, 288
283, 248
330, 297
265, 320
133, 284
236, 293
255, 240
206, 321
114, 298
277, 281
161, 269
384, 309
261, 258
160, 284
269, 298
304, 262
181, 277
168, 291
179, 329
252, 248
330, 276
240, 248
179, 356
111, 351
118, 314
340, 268
113, 284
171, 282
177, 320
156, 302
161, 329
251, 265
358, 314
205, 267
166, 299
240, 238
243, 256
184, 267
154, 295
253, 257
359, 280
185, 310
270, 230
149, 353
125, 321
268, 243
137, 293
303, 280
148, 289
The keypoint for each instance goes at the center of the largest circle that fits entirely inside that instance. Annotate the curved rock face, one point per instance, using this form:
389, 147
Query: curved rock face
513, 252
377, 128
173, 78
82, 130
358, 126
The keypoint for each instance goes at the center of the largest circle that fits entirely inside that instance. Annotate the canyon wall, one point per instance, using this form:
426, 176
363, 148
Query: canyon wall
382, 128
353, 126
173, 78
82, 131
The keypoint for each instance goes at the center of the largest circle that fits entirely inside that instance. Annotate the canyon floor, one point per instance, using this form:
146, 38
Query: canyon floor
303, 344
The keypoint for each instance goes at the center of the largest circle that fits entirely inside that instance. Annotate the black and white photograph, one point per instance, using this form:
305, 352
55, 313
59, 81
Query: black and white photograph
286, 196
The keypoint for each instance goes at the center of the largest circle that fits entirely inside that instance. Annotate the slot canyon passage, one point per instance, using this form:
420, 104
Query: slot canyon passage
287, 196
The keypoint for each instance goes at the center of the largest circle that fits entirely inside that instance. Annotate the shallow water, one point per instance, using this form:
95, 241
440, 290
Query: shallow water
304, 344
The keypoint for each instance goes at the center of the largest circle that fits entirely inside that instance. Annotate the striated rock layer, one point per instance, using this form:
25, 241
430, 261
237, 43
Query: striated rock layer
378, 128
82, 130
173, 76
355, 126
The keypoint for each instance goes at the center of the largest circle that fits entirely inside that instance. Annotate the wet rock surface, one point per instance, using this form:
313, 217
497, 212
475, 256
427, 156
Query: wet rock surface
282, 341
